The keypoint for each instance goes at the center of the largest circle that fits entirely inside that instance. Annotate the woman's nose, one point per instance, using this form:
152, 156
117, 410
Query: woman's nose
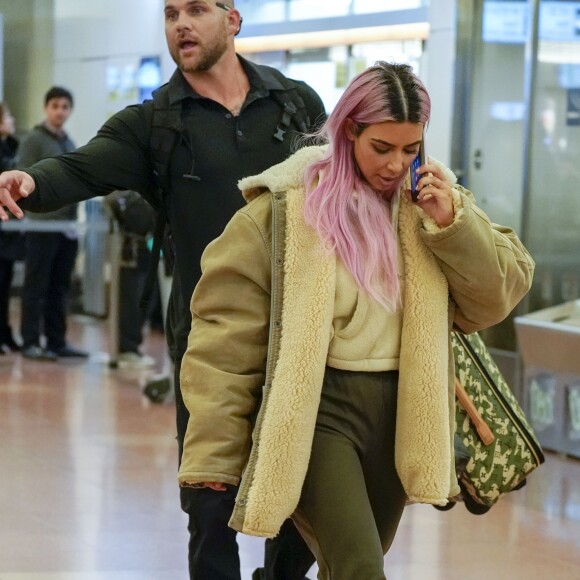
395, 162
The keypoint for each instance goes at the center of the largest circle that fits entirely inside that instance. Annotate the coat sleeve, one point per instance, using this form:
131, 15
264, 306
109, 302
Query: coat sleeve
487, 267
223, 369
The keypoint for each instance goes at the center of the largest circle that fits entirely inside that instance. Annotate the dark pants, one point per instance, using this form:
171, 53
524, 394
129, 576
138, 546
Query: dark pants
6, 274
49, 262
352, 499
131, 315
213, 550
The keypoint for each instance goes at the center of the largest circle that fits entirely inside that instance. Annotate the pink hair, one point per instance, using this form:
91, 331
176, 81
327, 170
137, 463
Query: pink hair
349, 216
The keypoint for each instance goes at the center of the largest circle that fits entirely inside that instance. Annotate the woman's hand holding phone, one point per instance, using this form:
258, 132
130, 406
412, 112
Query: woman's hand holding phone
430, 190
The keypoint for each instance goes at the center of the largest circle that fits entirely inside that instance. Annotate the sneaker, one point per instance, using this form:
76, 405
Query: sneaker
36, 353
134, 360
70, 352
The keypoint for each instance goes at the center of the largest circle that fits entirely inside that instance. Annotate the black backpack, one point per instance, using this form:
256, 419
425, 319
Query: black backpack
133, 214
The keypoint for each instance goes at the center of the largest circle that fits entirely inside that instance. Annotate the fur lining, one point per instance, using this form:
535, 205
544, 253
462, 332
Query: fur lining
281, 177
422, 450
290, 417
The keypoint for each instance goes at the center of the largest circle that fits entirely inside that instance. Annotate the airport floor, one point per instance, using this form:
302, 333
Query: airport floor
88, 489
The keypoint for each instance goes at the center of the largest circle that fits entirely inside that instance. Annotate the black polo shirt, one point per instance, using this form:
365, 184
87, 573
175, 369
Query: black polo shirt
218, 148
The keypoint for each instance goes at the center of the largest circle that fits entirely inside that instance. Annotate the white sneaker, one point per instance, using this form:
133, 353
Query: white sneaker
134, 360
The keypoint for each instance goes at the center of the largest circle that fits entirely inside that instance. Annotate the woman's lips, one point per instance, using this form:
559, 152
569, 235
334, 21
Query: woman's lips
388, 181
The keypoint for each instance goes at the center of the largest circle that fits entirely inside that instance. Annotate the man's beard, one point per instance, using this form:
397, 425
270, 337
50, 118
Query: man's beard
208, 57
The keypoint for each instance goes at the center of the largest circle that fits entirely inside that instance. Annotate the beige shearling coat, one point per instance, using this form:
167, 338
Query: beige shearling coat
262, 316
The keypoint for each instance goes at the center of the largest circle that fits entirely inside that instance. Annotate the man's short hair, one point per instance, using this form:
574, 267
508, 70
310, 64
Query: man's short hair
58, 93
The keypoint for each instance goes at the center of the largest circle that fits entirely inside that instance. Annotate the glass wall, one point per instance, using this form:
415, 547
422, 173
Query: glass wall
553, 235
263, 11
308, 9
366, 6
329, 68
524, 139
495, 163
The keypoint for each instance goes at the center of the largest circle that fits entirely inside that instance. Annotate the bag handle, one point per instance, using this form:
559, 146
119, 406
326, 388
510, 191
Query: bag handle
485, 433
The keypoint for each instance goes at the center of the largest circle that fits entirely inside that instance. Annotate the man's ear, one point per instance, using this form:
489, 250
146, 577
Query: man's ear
234, 21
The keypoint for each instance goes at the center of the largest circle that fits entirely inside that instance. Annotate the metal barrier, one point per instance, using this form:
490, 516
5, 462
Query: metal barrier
102, 246
96, 240
549, 342
103, 241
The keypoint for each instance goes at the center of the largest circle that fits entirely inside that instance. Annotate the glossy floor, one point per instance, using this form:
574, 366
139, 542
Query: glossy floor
88, 490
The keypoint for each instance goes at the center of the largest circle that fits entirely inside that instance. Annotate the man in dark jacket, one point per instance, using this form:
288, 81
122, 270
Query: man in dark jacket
50, 256
233, 121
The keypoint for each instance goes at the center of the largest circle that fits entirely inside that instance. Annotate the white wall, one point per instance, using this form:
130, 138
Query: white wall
28, 58
90, 39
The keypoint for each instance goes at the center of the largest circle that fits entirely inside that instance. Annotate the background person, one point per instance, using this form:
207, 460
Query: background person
11, 243
136, 221
317, 373
220, 118
50, 256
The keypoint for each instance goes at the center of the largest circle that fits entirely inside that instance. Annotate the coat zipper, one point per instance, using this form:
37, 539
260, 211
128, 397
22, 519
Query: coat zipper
275, 311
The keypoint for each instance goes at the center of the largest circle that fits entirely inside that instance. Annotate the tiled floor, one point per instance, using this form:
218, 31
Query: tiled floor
88, 490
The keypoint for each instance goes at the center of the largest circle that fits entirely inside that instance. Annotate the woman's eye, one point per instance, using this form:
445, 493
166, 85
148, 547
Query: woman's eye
380, 150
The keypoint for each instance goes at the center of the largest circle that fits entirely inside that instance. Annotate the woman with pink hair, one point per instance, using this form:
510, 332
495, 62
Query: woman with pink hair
319, 371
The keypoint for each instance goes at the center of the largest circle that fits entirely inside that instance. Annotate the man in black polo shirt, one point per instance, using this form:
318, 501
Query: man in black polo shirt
232, 123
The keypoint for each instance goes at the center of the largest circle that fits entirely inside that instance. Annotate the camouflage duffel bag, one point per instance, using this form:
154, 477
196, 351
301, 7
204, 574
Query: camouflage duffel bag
494, 436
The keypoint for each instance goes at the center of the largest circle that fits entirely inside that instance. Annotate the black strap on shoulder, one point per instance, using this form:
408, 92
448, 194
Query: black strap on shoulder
166, 128
292, 105
165, 131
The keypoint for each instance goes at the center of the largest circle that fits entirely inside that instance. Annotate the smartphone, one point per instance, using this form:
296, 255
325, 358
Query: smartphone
421, 159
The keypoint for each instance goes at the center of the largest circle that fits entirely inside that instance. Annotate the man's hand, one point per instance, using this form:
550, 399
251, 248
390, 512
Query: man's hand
14, 185
215, 485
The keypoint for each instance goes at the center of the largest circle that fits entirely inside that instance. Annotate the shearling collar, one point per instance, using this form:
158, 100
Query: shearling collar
282, 177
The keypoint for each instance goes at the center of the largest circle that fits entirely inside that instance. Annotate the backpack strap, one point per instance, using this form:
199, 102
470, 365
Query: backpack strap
292, 106
166, 129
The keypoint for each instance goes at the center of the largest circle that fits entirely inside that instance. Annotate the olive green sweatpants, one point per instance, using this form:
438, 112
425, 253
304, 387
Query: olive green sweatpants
352, 499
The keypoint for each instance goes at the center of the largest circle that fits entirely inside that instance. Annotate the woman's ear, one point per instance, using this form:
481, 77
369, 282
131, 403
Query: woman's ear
350, 129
